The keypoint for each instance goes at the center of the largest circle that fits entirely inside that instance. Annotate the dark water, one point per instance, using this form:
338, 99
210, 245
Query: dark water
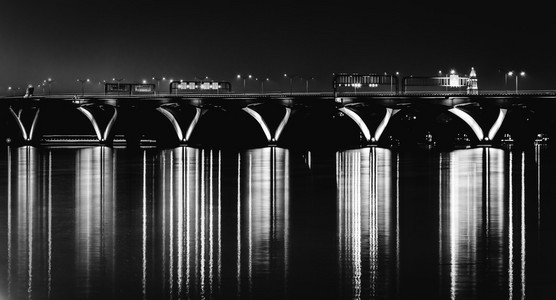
102, 223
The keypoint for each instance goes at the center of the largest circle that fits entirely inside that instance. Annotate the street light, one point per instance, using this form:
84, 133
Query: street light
83, 85
13, 91
512, 73
118, 80
291, 77
49, 81
307, 84
158, 79
239, 76
262, 83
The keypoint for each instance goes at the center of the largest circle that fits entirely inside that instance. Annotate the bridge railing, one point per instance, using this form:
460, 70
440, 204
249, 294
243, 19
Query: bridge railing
292, 95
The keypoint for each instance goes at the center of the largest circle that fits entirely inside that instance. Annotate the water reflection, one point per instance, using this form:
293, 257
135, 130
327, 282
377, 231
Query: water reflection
192, 213
195, 223
95, 215
367, 221
481, 241
263, 220
189, 200
482, 228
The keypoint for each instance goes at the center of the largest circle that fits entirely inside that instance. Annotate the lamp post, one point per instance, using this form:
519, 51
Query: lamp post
291, 77
83, 85
103, 84
49, 81
158, 79
506, 81
118, 80
262, 83
11, 89
307, 84
513, 73
239, 76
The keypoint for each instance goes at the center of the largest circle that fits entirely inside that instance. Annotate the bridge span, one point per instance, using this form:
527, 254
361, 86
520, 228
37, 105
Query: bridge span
289, 120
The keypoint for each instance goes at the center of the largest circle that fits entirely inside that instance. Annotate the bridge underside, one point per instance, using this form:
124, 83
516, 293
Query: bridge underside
284, 122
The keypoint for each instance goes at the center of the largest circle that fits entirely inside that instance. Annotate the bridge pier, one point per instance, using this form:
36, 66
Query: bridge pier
26, 120
101, 120
175, 115
272, 137
374, 137
472, 121
300, 122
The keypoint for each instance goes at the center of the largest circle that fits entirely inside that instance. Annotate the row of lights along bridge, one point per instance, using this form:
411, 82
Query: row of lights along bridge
47, 83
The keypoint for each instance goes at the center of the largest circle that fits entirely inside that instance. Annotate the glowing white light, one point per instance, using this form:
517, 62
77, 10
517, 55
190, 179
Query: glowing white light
469, 120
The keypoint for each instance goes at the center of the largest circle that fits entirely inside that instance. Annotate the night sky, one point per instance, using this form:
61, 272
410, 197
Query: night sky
135, 40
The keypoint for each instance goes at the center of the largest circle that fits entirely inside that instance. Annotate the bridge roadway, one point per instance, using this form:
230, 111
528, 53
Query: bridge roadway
290, 120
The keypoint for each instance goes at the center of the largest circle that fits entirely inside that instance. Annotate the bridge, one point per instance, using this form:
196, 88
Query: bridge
304, 120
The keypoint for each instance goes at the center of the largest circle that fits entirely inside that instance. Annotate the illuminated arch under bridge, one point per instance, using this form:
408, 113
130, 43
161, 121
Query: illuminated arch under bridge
282, 119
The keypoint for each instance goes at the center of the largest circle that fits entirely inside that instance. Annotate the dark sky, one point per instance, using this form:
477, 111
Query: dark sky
136, 40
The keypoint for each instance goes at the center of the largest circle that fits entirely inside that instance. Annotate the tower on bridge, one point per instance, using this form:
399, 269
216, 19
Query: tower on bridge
472, 84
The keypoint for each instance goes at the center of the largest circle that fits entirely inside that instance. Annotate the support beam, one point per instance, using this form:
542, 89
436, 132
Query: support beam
198, 113
357, 119
102, 136
172, 120
260, 120
470, 121
282, 124
27, 136
271, 138
496, 126
380, 128
477, 129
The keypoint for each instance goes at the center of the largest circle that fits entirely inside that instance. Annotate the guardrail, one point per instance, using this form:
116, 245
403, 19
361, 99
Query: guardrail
296, 94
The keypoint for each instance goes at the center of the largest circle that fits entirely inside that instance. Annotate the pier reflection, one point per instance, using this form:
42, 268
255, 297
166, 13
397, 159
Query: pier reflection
26, 228
368, 224
78, 223
192, 211
482, 224
481, 243
95, 218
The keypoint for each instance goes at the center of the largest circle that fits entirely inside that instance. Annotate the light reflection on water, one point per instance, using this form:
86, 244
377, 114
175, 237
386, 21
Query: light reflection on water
193, 223
367, 228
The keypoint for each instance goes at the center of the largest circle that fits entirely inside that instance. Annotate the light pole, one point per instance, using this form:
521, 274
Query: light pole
49, 81
158, 79
42, 86
239, 76
512, 73
291, 77
83, 85
262, 83
11, 89
118, 80
307, 84
506, 81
